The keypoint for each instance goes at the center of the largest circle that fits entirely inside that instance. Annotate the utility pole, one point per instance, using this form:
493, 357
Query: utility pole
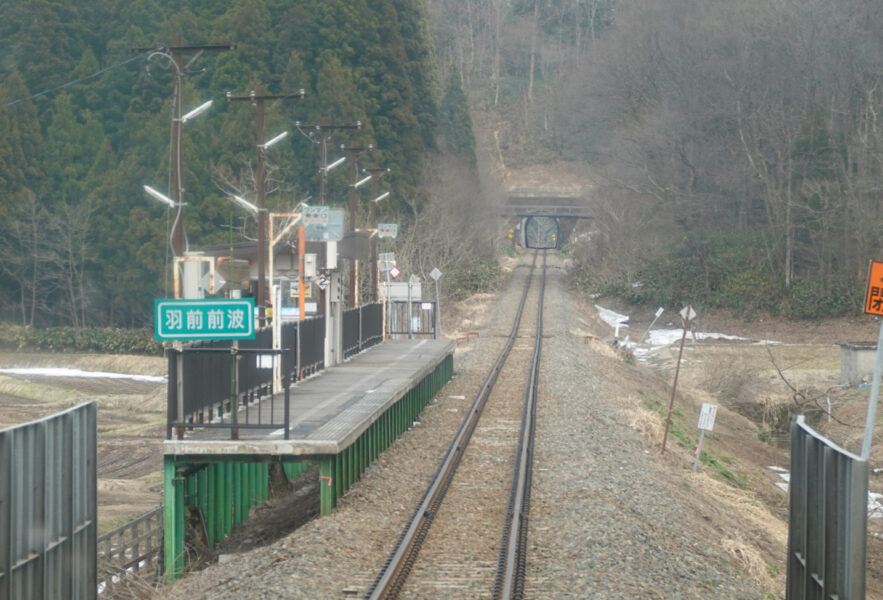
333, 316
353, 153
376, 173
175, 55
261, 148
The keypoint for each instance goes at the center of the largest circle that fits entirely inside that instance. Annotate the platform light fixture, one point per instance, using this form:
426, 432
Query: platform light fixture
362, 182
382, 196
197, 111
274, 140
252, 208
336, 163
161, 197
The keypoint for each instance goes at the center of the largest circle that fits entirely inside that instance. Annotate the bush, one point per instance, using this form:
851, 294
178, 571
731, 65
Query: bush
103, 340
482, 276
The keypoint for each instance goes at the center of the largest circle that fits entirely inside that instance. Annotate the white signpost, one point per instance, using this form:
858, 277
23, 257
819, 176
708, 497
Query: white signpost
436, 275
706, 423
387, 230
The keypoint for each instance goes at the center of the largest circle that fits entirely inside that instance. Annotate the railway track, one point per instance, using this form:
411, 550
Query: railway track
467, 535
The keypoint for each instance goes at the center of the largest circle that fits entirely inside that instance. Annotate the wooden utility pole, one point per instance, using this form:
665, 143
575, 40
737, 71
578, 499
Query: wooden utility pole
353, 153
261, 147
376, 173
175, 55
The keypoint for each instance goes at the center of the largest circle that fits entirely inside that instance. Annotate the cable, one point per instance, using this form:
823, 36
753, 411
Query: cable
74, 82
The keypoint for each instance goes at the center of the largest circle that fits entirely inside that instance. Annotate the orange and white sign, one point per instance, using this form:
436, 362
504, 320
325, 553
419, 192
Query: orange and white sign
874, 298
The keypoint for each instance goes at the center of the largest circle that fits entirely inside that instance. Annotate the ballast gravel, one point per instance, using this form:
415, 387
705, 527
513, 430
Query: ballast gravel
604, 522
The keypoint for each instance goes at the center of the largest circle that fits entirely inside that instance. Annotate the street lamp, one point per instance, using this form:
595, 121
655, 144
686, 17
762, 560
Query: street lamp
245, 204
336, 163
361, 182
382, 196
197, 111
162, 197
269, 143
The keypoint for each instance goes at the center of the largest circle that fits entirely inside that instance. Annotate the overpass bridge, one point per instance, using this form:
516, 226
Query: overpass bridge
543, 219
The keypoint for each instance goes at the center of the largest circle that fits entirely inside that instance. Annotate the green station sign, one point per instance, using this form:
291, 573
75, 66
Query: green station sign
204, 319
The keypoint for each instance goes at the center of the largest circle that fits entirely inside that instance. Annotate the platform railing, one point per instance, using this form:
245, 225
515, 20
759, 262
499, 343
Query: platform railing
219, 384
415, 319
362, 328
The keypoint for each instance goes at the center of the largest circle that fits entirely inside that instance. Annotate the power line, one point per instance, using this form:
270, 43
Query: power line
76, 81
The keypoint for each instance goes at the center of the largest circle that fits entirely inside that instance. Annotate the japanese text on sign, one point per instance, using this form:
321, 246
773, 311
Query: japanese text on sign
874, 298
204, 319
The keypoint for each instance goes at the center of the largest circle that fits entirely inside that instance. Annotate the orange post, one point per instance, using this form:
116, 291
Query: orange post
301, 247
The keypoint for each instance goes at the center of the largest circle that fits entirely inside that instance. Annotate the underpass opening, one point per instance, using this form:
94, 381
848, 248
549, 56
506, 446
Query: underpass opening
541, 232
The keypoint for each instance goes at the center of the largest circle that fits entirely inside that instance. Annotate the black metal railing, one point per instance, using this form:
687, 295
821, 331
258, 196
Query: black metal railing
415, 319
211, 382
362, 328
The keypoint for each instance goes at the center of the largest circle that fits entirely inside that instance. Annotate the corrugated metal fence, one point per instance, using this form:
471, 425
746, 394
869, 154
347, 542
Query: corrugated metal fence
827, 528
48, 509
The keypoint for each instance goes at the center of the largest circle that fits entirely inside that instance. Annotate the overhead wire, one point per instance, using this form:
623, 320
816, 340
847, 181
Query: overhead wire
74, 81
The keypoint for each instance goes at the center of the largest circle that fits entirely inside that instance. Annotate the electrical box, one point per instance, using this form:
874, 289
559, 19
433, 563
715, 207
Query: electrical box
331, 256
309, 266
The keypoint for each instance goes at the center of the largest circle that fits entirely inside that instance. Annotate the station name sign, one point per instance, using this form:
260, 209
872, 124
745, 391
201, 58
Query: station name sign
204, 319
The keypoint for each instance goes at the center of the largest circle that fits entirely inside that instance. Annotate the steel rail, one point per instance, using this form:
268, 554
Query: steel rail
389, 582
512, 561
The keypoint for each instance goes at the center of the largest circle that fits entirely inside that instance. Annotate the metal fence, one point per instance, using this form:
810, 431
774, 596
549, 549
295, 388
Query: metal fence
827, 525
134, 548
362, 328
209, 382
415, 319
48, 507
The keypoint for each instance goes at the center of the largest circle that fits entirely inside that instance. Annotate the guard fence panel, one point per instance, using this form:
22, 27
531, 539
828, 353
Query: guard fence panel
415, 319
362, 328
827, 524
48, 507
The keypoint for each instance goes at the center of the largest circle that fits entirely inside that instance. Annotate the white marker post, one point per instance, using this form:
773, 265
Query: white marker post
706, 423
436, 275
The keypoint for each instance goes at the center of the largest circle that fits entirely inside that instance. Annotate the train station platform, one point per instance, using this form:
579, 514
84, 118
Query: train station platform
340, 419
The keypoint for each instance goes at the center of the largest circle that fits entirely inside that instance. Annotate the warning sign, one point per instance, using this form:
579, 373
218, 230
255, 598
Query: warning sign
874, 299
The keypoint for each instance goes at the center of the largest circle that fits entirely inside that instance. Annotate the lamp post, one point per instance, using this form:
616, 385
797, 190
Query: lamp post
258, 101
376, 173
174, 54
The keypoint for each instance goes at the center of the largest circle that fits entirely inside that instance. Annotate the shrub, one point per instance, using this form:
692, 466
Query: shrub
104, 340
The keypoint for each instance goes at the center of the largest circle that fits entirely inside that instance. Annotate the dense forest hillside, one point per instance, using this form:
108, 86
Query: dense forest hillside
85, 122
734, 148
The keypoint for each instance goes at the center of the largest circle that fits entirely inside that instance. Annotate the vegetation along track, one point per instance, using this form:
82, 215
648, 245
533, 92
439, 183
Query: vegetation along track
479, 500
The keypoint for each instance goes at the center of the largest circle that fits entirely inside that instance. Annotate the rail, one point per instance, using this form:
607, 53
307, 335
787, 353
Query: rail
391, 579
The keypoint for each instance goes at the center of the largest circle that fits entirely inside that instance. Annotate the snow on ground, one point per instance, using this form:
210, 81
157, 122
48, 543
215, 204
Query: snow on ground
64, 372
657, 338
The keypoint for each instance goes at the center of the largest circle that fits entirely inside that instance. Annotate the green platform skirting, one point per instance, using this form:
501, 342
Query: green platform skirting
221, 490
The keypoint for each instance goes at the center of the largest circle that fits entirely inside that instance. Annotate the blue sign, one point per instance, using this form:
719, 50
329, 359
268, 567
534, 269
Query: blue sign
204, 319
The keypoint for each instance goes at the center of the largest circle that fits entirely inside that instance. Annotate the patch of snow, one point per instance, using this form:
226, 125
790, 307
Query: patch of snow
612, 318
64, 372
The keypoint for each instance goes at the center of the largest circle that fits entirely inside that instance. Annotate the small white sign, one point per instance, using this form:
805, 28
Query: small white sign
394, 272
413, 280
435, 274
266, 361
426, 306
321, 282
688, 314
707, 415
387, 230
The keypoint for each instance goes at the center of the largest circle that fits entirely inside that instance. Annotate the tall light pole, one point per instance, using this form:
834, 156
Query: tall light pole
376, 173
261, 147
174, 54
353, 152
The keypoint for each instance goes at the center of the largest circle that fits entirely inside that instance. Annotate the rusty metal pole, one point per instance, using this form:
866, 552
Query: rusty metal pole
674, 386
